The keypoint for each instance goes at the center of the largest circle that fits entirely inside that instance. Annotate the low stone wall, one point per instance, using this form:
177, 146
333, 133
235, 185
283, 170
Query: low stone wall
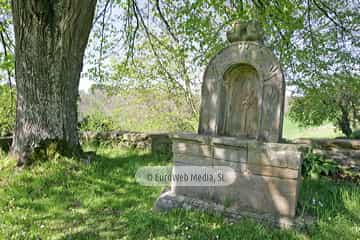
156, 142
344, 151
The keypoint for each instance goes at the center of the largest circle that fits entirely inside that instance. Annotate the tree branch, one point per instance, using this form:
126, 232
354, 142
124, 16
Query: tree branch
329, 17
157, 4
103, 11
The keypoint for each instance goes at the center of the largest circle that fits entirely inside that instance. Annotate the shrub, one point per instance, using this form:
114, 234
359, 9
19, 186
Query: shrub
97, 122
7, 110
355, 134
315, 165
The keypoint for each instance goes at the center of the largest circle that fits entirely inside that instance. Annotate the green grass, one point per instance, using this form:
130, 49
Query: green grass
292, 131
64, 199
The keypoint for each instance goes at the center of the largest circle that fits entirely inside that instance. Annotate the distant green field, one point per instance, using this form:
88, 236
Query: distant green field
292, 131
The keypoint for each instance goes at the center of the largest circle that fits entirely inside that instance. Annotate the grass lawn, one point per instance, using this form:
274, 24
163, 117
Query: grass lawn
292, 130
64, 199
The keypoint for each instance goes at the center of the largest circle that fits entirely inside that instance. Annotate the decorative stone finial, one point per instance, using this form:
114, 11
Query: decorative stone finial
245, 31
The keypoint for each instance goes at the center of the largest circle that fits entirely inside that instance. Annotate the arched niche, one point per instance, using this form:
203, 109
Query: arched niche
243, 94
242, 102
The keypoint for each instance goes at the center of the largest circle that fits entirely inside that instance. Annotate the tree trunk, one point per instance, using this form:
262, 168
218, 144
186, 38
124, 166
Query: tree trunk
51, 37
344, 122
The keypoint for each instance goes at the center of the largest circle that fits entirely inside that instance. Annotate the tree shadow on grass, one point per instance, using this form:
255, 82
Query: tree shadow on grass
102, 201
75, 197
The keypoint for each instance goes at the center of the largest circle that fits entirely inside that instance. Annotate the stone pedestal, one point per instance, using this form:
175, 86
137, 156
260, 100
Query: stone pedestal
267, 174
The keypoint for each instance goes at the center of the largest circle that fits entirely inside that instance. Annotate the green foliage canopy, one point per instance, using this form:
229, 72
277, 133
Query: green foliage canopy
168, 44
165, 45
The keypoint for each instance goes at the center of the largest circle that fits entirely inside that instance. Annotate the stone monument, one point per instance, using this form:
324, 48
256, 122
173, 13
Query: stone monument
241, 119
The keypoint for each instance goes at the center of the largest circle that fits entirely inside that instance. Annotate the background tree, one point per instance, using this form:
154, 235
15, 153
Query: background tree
334, 99
7, 65
6, 43
51, 37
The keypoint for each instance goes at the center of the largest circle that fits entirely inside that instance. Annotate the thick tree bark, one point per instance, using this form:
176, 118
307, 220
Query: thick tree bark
51, 37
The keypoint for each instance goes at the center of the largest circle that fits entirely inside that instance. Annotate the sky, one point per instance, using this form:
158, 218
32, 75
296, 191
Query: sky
85, 84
